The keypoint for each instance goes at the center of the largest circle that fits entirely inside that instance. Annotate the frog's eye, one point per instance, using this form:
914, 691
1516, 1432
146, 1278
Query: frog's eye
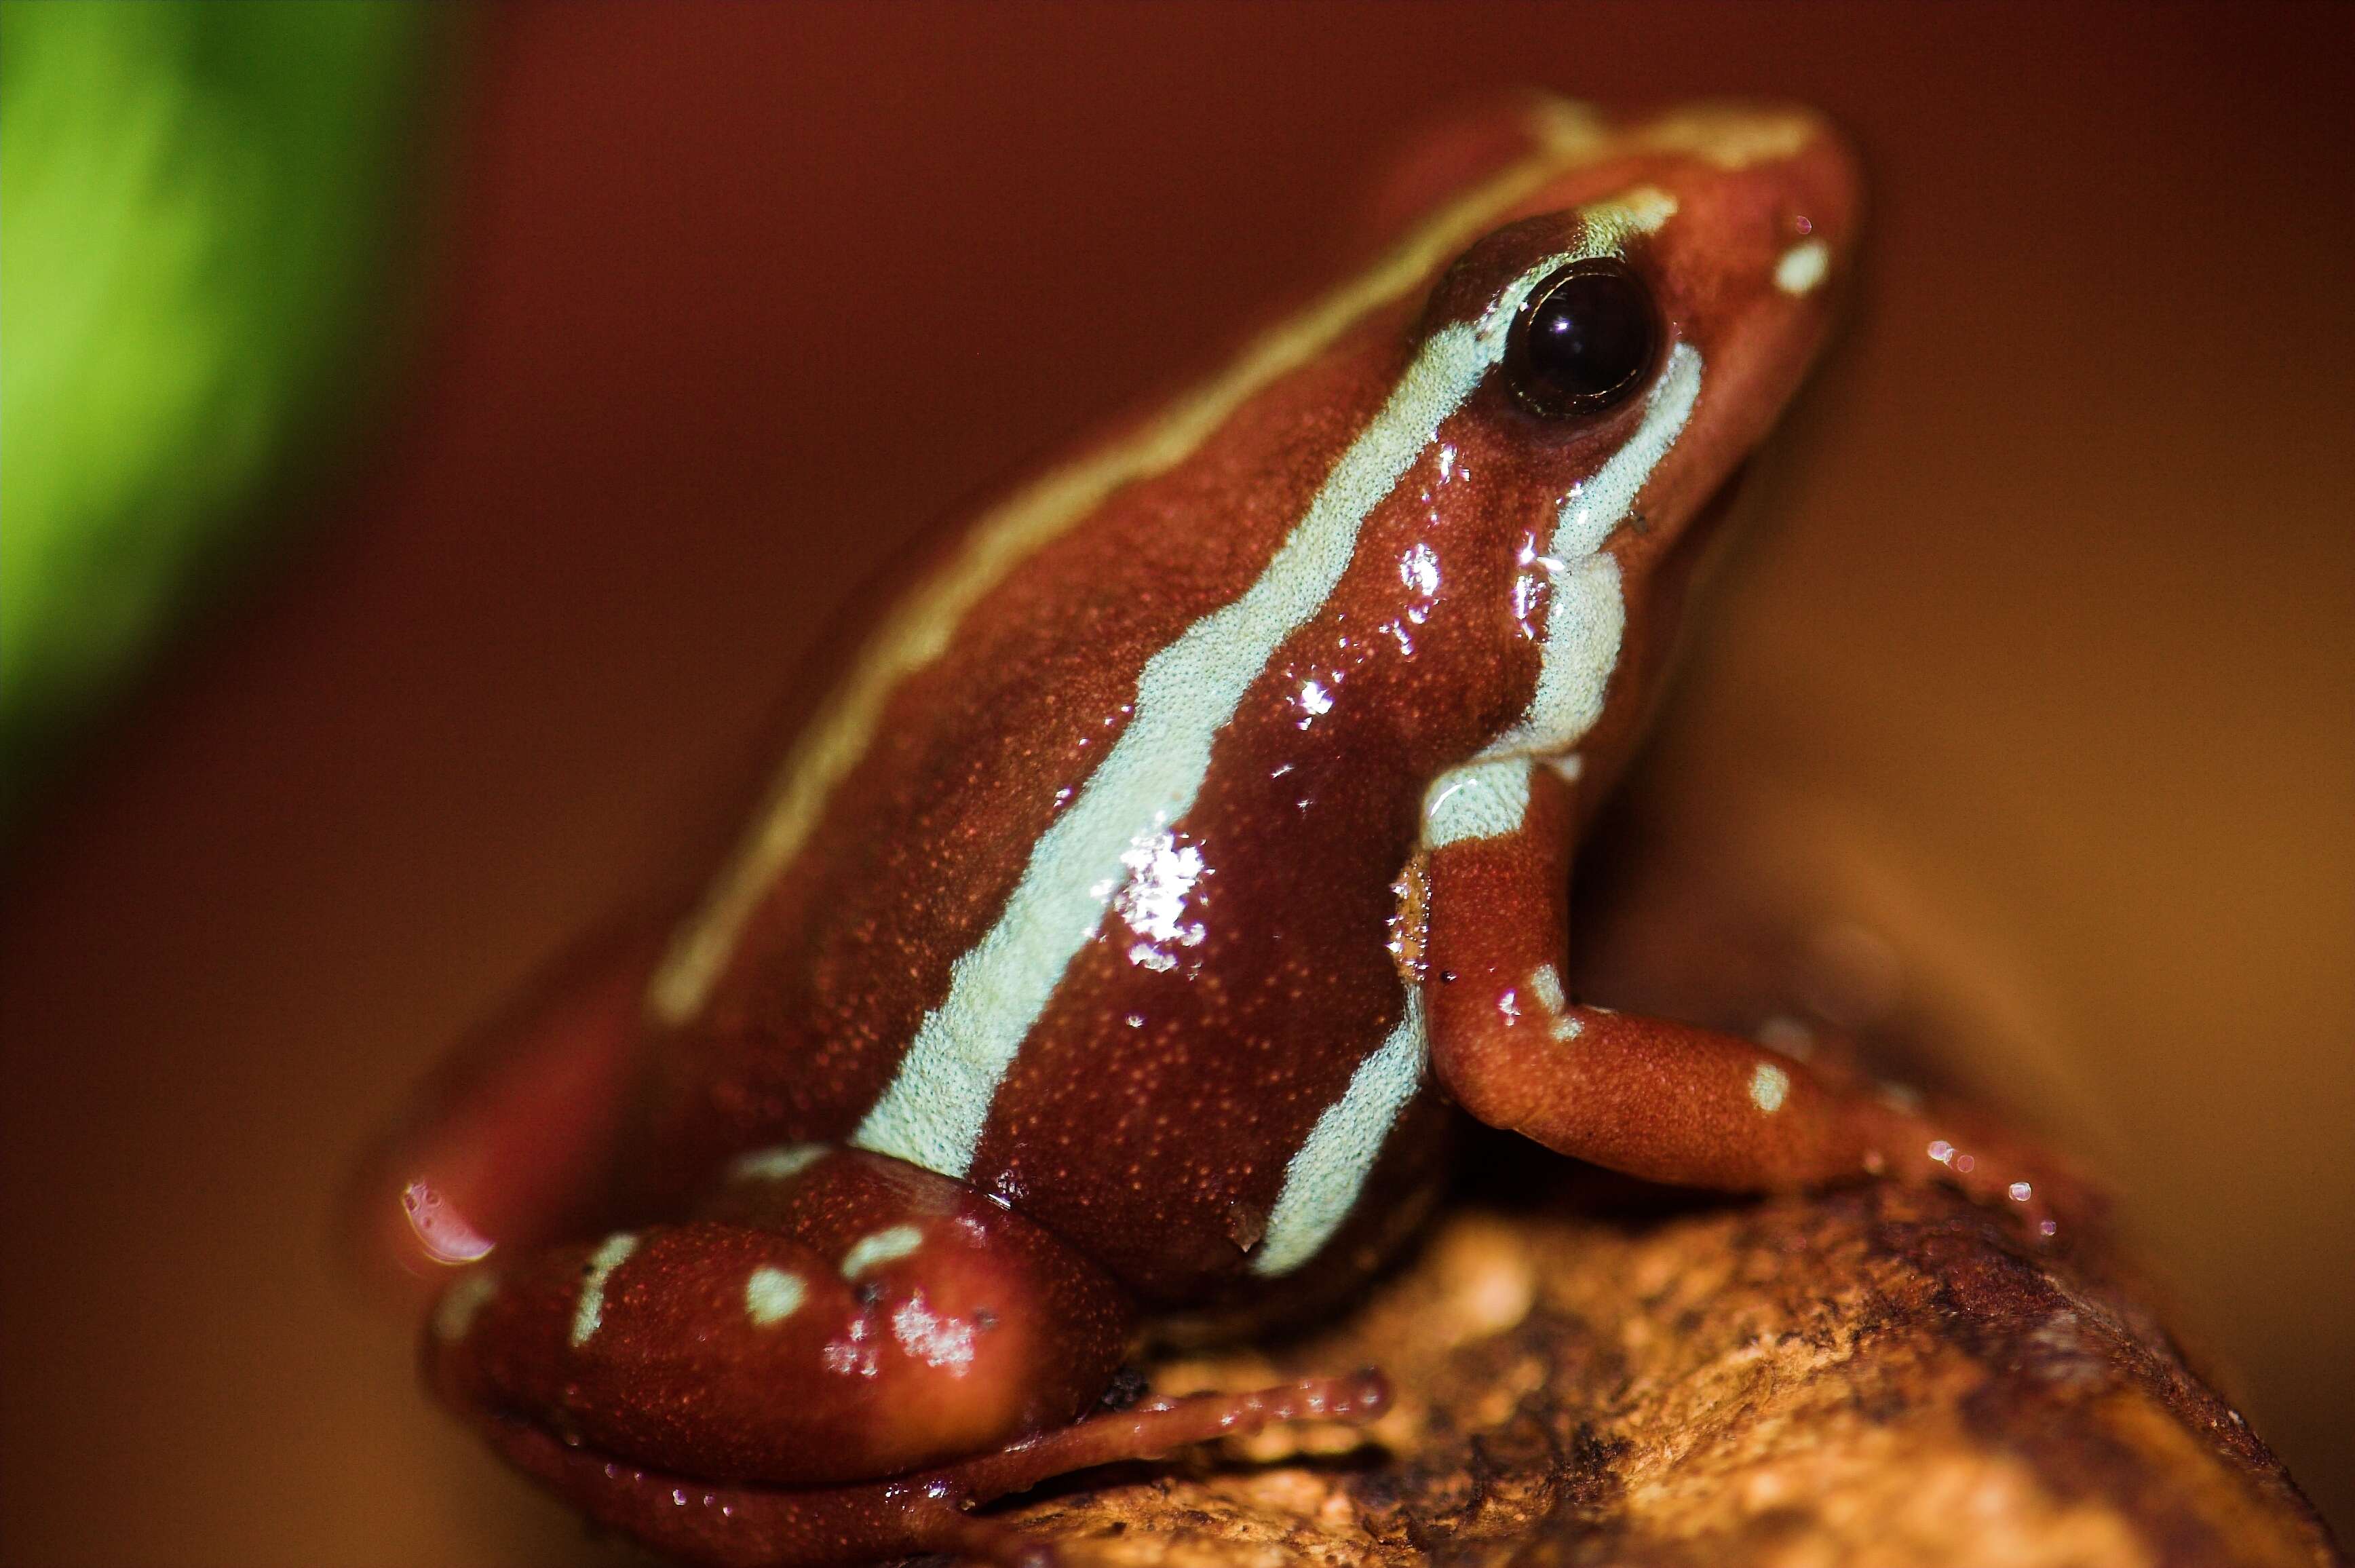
1585, 340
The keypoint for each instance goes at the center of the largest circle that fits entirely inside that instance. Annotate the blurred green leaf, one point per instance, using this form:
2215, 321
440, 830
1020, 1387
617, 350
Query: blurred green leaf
195, 202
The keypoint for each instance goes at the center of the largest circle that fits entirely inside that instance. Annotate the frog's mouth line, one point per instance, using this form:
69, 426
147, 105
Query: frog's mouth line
1673, 576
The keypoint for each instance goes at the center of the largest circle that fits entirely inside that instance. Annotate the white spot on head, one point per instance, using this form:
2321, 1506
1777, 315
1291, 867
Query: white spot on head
453, 1314
1769, 1085
884, 1246
1803, 267
934, 1340
589, 1315
1329, 1170
1480, 800
772, 1295
777, 1164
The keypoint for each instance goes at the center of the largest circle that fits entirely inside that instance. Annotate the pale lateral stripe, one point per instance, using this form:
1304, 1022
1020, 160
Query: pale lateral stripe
589, 1315
1587, 618
1478, 800
918, 631
1326, 1173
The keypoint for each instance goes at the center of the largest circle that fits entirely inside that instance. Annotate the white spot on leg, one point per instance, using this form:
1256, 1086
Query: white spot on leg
1803, 267
882, 1247
590, 1314
1769, 1084
1322, 1183
772, 1295
455, 1314
777, 1164
1480, 800
1545, 984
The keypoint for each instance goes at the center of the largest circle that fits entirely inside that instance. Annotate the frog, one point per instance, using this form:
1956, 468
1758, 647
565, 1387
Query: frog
1182, 861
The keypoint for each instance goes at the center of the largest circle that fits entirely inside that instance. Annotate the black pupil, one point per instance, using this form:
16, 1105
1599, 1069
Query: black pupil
1588, 338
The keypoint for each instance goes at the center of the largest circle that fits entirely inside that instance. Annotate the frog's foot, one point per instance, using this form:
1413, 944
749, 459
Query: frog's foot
1935, 1142
738, 1526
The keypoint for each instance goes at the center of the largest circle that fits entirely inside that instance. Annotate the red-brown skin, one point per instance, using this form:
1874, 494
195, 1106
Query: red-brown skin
1140, 1138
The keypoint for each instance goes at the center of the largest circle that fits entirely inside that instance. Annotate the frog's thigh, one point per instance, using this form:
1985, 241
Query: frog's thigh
1662, 1100
829, 1317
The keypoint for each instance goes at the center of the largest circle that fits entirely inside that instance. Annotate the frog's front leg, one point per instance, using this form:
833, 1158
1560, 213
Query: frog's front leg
832, 1359
1666, 1101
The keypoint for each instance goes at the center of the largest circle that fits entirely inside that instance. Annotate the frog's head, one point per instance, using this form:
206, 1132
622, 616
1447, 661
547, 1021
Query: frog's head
1626, 324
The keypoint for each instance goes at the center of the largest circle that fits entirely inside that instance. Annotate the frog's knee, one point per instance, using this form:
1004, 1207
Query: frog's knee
855, 1318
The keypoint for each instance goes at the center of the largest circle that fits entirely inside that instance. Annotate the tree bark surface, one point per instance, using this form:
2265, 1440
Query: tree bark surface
1872, 1376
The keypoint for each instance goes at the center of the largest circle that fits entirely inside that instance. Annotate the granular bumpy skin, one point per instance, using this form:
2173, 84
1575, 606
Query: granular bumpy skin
1874, 1376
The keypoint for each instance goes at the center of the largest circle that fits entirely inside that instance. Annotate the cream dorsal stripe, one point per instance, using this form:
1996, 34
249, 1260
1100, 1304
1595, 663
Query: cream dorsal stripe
934, 1110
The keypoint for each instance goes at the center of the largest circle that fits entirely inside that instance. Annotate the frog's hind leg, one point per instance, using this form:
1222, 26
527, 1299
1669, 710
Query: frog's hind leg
827, 1317
1667, 1100
737, 1526
517, 1137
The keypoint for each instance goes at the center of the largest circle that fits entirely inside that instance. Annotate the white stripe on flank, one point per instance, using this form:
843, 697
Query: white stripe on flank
1586, 617
1322, 1183
590, 1314
1802, 267
917, 630
1478, 800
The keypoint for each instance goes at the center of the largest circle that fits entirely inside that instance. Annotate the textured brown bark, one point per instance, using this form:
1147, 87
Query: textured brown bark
1873, 1376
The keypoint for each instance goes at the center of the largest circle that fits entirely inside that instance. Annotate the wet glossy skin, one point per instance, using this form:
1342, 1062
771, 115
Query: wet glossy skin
1182, 844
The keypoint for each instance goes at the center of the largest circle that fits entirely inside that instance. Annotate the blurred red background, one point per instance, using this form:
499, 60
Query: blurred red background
2047, 606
